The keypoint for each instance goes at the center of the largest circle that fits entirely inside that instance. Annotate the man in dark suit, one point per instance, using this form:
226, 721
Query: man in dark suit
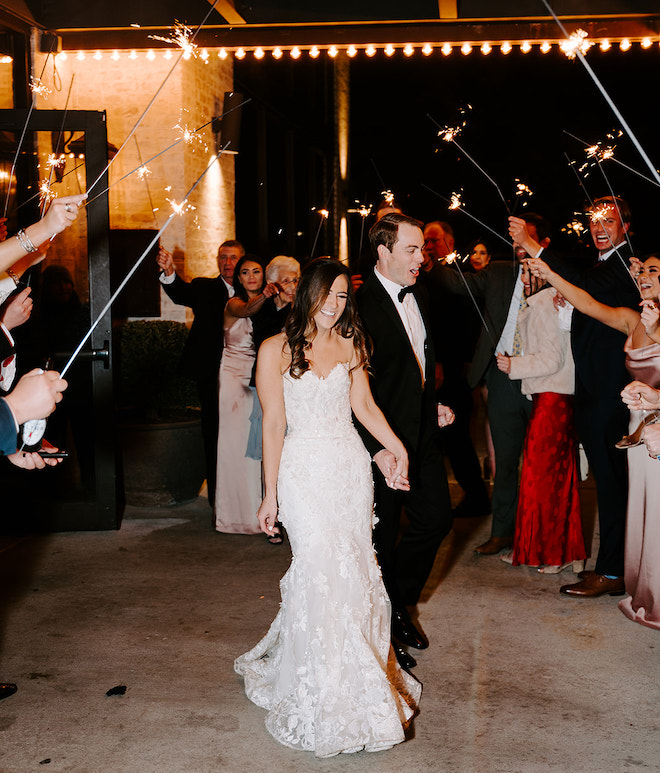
600, 375
402, 381
200, 360
499, 287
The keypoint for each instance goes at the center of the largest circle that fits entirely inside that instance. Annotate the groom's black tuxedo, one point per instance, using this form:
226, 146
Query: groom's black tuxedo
409, 407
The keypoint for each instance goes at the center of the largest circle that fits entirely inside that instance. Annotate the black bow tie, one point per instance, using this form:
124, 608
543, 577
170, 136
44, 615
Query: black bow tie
404, 291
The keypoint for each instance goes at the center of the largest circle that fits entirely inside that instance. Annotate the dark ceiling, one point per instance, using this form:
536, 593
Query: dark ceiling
126, 23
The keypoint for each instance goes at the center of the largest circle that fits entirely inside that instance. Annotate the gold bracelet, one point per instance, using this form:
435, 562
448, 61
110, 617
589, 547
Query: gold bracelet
25, 241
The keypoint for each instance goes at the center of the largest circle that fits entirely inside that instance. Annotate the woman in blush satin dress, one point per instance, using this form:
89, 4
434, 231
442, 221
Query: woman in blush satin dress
238, 487
642, 347
325, 671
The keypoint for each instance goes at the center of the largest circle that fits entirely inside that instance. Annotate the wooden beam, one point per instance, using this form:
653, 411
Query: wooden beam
226, 9
448, 9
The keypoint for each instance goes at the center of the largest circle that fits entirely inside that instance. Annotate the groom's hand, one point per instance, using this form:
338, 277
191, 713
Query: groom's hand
387, 463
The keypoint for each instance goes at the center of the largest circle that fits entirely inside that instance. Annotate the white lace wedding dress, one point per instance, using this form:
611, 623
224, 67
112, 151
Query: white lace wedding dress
325, 670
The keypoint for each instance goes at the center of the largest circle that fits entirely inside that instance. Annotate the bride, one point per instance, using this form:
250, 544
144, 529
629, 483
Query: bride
325, 671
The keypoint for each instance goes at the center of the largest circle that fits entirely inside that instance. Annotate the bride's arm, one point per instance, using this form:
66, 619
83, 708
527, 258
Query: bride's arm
395, 457
271, 396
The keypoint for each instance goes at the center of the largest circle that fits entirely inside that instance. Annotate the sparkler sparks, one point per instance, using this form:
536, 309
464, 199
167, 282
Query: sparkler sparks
143, 172
574, 228
363, 210
388, 196
55, 162
181, 36
599, 213
46, 194
180, 209
37, 86
455, 202
576, 42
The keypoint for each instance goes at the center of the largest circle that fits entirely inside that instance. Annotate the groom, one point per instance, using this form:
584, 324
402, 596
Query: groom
393, 311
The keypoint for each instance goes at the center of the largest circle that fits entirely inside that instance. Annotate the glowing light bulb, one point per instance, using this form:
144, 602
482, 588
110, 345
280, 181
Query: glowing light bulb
408, 50
625, 44
222, 53
258, 53
446, 49
466, 49
98, 55
505, 48
427, 49
314, 52
295, 53
239, 53
389, 50
351, 51
486, 48
545, 47
605, 45
332, 51
526, 47
370, 51
277, 53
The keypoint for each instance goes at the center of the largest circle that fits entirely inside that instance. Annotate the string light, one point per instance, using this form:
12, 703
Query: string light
578, 41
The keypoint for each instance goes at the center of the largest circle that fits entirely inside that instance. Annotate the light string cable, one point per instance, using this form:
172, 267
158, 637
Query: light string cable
155, 96
138, 262
607, 97
25, 125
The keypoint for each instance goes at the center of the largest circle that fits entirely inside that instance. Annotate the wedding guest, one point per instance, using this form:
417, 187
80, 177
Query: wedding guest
238, 489
548, 531
641, 575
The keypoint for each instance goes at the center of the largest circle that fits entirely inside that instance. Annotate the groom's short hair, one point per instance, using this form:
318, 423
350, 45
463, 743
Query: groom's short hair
386, 230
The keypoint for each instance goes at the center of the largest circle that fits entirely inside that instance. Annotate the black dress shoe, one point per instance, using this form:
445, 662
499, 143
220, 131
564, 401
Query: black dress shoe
405, 660
404, 630
6, 690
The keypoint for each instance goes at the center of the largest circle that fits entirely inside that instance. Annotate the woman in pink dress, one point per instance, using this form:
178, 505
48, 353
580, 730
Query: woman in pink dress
642, 559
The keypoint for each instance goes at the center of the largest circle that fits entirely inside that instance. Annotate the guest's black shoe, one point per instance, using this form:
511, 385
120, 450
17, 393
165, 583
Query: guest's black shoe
9, 689
406, 632
405, 660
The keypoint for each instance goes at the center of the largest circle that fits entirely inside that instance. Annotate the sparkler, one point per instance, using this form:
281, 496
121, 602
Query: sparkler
606, 153
462, 209
181, 36
143, 173
137, 264
607, 97
576, 43
448, 134
325, 214
455, 202
155, 96
27, 121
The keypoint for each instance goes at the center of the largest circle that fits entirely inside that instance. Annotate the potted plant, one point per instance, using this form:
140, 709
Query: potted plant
160, 427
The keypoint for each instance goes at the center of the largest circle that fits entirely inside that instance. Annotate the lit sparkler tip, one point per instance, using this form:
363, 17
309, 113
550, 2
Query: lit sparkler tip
576, 42
388, 196
575, 227
599, 213
363, 210
451, 258
180, 209
325, 214
181, 36
143, 172
46, 193
456, 202
54, 161
37, 86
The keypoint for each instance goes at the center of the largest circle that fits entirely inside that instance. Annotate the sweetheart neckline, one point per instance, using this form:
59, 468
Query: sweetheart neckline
329, 373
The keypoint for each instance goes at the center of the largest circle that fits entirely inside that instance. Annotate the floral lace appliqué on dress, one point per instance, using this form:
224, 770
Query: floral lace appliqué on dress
325, 670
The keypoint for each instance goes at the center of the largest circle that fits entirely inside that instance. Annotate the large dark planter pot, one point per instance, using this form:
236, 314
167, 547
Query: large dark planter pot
163, 463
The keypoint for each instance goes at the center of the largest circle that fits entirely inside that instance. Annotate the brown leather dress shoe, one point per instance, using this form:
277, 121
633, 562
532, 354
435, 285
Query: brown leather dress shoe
494, 545
595, 585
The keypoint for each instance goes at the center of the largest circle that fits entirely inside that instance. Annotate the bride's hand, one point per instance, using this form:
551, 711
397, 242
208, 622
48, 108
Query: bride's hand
267, 517
394, 469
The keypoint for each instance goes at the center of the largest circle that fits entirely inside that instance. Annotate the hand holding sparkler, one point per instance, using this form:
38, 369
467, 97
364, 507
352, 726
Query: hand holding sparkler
61, 213
636, 267
503, 363
35, 395
165, 261
641, 397
650, 317
520, 235
542, 270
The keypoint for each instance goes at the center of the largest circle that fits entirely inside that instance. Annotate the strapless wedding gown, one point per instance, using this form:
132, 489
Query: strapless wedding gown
325, 670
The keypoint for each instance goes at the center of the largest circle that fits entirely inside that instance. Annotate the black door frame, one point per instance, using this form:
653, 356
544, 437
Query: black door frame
105, 511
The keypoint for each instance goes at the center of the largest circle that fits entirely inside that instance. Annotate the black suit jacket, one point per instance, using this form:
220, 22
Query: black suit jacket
396, 381
207, 298
493, 287
597, 348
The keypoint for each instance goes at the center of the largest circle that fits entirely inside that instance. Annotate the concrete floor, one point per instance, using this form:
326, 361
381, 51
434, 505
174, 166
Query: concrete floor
517, 678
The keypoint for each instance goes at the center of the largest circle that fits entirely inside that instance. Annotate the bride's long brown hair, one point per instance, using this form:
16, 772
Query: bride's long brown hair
315, 282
